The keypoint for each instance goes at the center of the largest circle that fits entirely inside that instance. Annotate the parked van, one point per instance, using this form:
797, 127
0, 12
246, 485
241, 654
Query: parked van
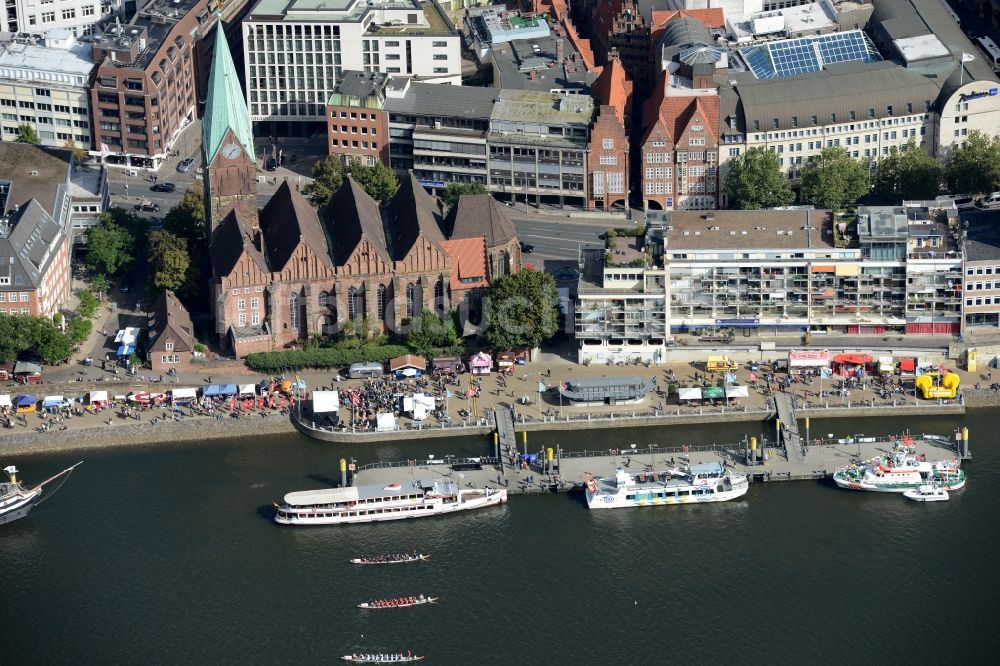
965, 203
362, 370
992, 201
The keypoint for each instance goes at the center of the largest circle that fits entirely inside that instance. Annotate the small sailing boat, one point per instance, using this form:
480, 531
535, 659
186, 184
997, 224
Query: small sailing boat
16, 501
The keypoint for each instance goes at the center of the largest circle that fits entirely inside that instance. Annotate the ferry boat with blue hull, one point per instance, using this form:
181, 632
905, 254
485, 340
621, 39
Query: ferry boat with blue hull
691, 484
372, 504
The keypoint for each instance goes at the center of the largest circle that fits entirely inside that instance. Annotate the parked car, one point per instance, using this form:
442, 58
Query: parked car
185, 165
527, 248
148, 207
163, 187
566, 274
991, 201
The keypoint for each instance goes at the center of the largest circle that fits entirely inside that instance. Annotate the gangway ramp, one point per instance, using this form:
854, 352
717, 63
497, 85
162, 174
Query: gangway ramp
506, 435
789, 430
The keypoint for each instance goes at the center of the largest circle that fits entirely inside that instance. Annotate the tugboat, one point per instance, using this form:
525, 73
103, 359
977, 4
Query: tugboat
15, 500
900, 470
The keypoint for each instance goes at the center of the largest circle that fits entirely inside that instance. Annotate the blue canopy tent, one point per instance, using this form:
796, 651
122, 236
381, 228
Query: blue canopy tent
126, 350
212, 390
26, 400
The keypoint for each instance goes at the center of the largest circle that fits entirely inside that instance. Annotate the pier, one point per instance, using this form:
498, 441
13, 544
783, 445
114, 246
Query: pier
788, 426
567, 470
506, 436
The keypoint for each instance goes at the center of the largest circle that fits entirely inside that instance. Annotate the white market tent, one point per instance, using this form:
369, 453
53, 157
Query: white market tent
737, 392
183, 394
385, 422
5, 400
247, 390
97, 396
689, 393
325, 401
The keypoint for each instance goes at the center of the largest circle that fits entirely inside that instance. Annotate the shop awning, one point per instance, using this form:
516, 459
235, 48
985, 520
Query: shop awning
737, 392
713, 392
689, 394
907, 364
219, 389
325, 401
808, 359
853, 359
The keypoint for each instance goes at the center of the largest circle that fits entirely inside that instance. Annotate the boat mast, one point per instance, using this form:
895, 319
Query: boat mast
56, 476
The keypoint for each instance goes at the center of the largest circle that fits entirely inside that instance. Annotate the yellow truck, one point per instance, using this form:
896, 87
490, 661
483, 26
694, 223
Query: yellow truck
720, 364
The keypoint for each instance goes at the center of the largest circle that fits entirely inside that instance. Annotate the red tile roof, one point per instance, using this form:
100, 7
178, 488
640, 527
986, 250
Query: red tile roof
468, 260
710, 18
613, 87
675, 112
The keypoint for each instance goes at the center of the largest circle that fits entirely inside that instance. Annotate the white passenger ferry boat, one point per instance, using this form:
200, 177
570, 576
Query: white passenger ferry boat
369, 504
900, 470
681, 485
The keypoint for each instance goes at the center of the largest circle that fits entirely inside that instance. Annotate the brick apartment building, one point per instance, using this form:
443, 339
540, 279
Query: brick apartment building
608, 159
357, 127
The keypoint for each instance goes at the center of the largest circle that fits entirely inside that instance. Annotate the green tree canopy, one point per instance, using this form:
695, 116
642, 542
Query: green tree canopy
974, 168
429, 333
79, 154
110, 248
833, 180
907, 173
328, 175
79, 330
169, 261
87, 307
754, 180
27, 134
22, 333
522, 310
378, 180
454, 190
187, 219
99, 283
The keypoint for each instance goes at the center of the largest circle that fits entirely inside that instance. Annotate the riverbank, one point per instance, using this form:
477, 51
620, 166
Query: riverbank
94, 434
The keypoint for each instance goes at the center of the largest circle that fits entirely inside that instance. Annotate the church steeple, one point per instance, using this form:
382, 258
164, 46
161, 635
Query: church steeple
227, 144
225, 108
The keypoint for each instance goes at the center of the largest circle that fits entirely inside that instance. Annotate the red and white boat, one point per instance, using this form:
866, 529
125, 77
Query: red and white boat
400, 602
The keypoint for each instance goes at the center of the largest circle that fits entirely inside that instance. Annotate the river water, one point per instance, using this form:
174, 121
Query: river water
168, 555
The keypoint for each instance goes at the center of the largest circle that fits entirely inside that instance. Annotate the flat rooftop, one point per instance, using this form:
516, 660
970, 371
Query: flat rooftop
814, 17
431, 99
354, 11
921, 48
748, 229
158, 18
34, 172
542, 107
74, 63
533, 64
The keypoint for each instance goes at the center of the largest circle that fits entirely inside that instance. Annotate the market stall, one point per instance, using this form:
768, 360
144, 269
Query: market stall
325, 401
481, 363
693, 393
808, 361
848, 365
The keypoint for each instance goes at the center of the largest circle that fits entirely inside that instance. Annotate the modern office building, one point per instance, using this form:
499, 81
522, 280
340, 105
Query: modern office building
895, 270
296, 51
37, 16
44, 84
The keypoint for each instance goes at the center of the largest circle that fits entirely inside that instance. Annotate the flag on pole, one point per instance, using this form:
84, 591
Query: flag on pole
968, 57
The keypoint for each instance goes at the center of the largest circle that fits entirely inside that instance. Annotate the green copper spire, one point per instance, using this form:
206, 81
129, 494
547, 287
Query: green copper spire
225, 108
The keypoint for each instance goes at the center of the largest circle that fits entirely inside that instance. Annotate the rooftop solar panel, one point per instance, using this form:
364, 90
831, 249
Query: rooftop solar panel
803, 55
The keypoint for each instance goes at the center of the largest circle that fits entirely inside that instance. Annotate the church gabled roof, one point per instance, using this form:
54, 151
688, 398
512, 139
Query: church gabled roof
286, 221
229, 241
479, 215
225, 107
410, 213
352, 215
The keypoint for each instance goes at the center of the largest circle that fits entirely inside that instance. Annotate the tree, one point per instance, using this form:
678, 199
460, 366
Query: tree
522, 310
833, 180
50, 343
187, 219
328, 176
169, 261
429, 332
79, 154
907, 173
99, 283
454, 190
110, 248
974, 168
27, 134
754, 180
378, 180
87, 307
79, 330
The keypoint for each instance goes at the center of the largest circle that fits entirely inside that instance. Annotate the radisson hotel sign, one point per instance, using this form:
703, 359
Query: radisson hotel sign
978, 95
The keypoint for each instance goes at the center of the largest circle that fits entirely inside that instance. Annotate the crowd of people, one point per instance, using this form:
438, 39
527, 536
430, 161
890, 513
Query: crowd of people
398, 602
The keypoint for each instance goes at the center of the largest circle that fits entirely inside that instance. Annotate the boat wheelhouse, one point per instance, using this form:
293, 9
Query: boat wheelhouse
900, 470
681, 485
396, 501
